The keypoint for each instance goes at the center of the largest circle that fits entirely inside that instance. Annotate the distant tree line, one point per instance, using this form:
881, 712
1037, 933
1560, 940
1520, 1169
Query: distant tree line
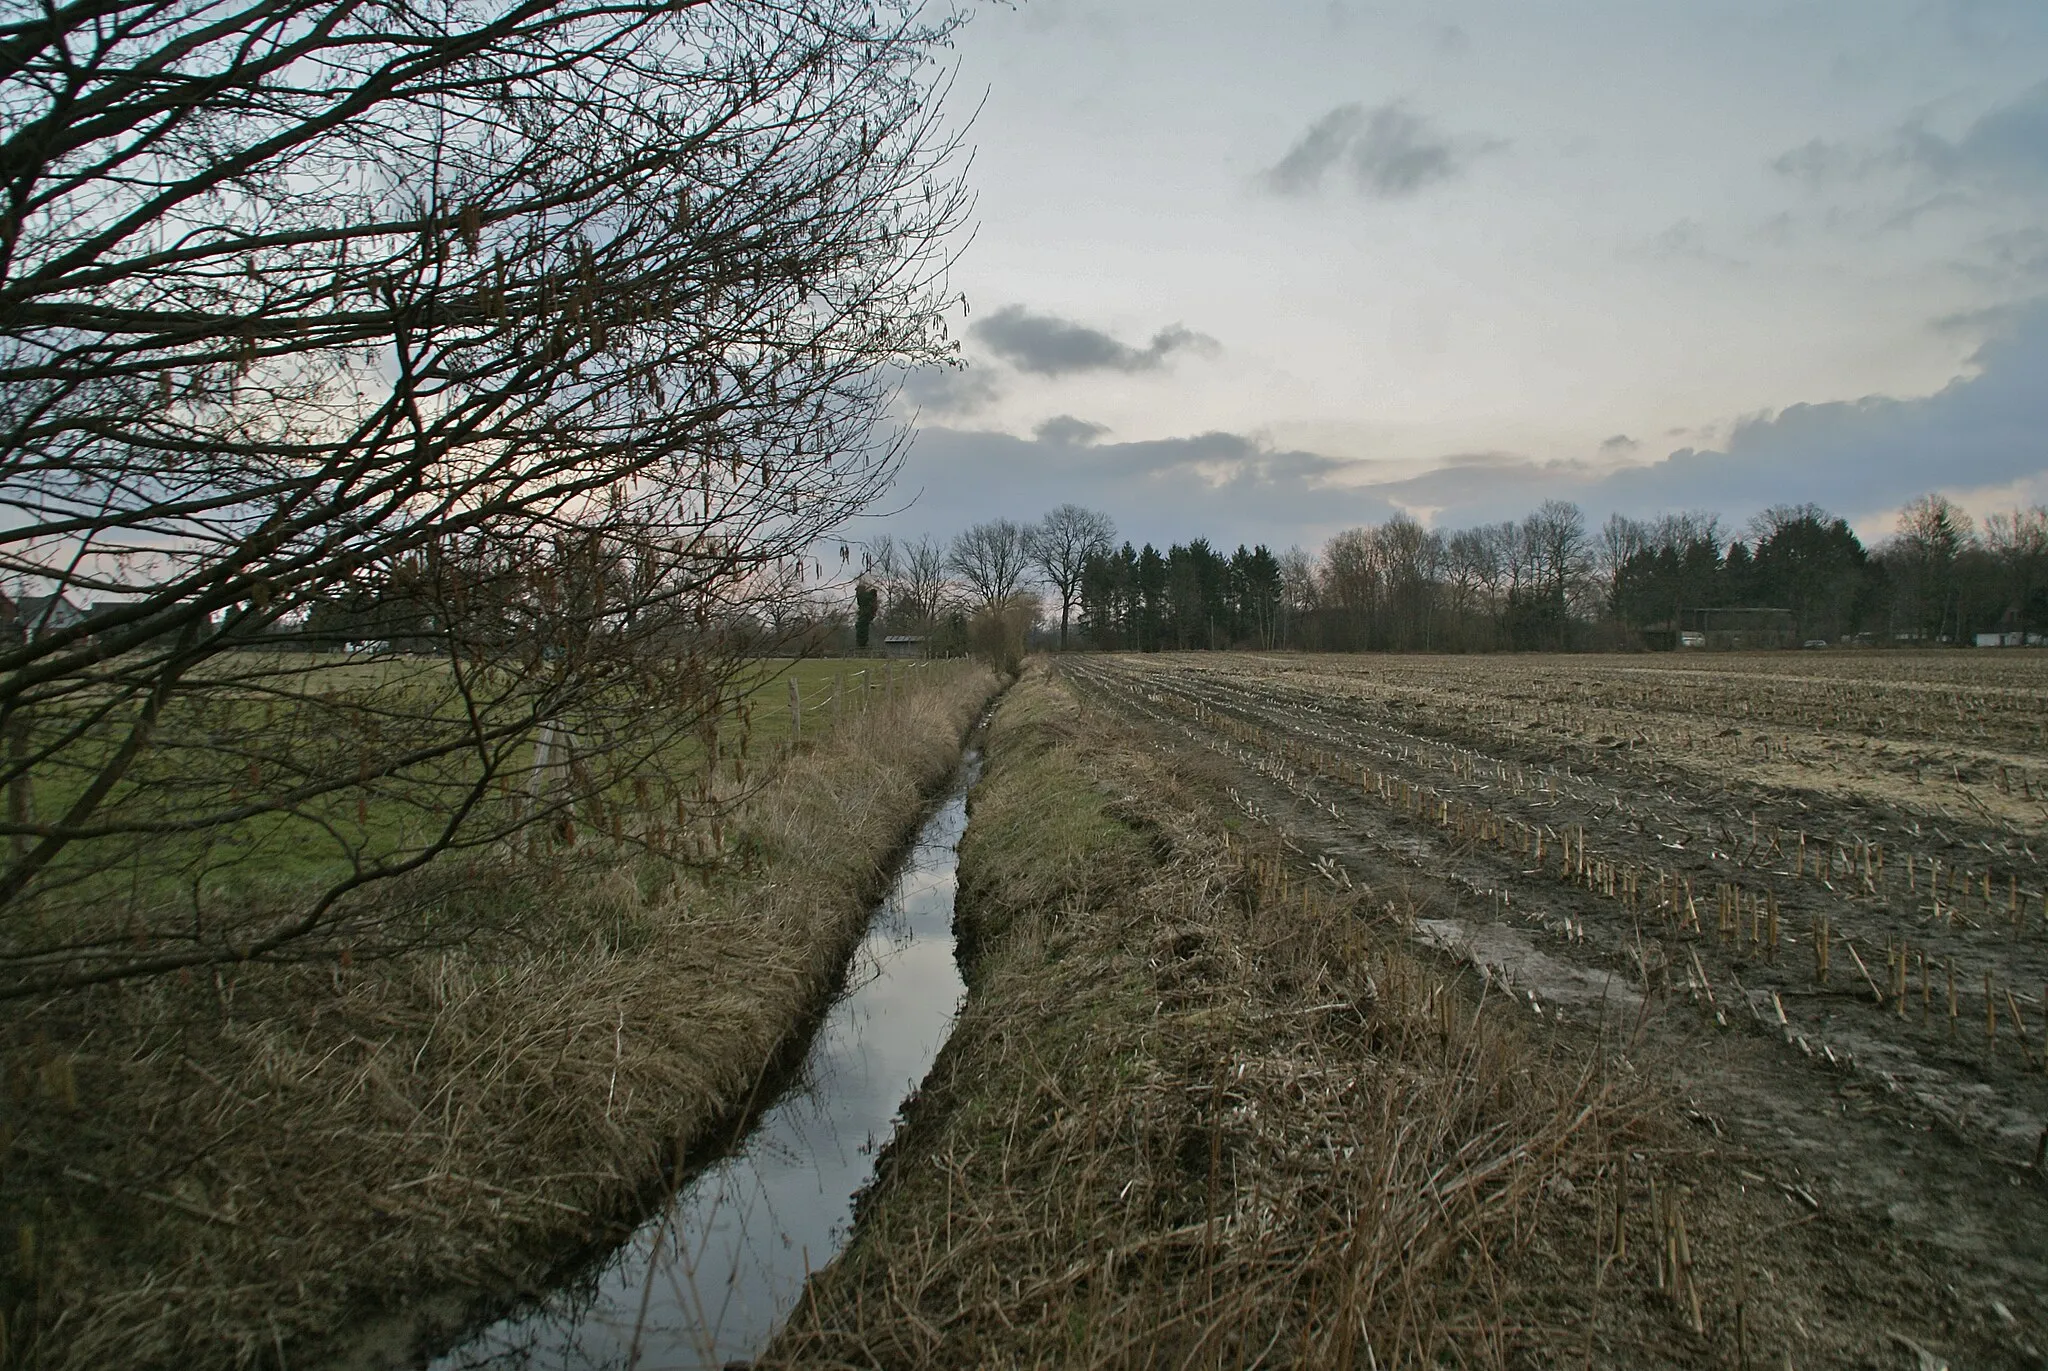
1549, 581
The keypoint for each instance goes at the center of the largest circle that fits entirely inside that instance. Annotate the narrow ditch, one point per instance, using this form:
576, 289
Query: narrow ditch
706, 1281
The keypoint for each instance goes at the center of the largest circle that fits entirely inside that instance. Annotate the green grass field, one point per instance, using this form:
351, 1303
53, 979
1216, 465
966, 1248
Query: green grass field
225, 753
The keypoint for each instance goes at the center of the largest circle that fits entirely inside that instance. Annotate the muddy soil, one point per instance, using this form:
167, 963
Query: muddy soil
1904, 1131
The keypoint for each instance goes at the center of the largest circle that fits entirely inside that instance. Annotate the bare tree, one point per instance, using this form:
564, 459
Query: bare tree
1686, 529
1349, 583
1509, 556
1298, 594
2018, 542
1350, 572
2017, 532
1472, 568
538, 337
1933, 534
990, 557
1411, 558
1621, 538
1562, 554
1060, 544
1935, 526
916, 578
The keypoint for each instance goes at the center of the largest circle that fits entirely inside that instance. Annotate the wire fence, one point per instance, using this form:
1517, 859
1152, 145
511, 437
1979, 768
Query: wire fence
850, 693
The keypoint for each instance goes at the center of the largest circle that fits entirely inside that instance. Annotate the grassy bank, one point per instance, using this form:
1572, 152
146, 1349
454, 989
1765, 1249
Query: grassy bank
239, 1170
1202, 1109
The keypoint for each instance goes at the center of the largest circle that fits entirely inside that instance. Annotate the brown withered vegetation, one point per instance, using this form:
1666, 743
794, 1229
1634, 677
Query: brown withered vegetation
1206, 1109
242, 1169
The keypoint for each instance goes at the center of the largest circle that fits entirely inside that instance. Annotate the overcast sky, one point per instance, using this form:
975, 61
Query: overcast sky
1266, 272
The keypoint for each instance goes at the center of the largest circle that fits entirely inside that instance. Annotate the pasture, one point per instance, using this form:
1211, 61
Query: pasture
269, 763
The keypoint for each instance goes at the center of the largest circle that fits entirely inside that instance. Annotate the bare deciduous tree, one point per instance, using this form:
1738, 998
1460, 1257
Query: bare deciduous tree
1472, 568
915, 577
1060, 544
1686, 529
536, 338
1933, 534
990, 557
2018, 542
1621, 538
1562, 556
1298, 591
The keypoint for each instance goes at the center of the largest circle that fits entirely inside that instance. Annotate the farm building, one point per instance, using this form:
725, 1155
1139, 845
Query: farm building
903, 645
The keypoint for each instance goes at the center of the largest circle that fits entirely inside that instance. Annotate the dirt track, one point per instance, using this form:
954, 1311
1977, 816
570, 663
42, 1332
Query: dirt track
1654, 848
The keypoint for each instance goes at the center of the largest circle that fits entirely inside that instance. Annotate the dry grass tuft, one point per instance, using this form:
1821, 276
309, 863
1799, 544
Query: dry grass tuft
1188, 1119
230, 1172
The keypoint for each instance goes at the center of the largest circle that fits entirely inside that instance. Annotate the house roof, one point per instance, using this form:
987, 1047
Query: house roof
33, 607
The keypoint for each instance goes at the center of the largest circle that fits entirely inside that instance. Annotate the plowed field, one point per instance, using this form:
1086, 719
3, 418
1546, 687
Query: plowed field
1805, 885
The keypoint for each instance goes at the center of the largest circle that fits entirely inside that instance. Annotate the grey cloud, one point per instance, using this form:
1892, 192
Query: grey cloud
1684, 238
1819, 161
2004, 149
1856, 456
2022, 252
1068, 431
2008, 146
1478, 487
1619, 445
1878, 451
1302, 169
1228, 459
1992, 25
1051, 346
1999, 318
1777, 229
2013, 261
950, 390
1910, 213
1399, 154
1389, 152
1225, 486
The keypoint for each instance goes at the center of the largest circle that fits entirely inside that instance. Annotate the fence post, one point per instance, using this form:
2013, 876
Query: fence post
796, 713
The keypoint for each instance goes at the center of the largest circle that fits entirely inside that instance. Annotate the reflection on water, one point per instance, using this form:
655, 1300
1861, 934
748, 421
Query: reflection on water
709, 1280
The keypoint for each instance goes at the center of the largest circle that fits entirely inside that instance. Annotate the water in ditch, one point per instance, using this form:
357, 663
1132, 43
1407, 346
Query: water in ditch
707, 1281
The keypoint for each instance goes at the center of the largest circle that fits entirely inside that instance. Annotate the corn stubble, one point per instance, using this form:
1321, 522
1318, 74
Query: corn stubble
1279, 723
